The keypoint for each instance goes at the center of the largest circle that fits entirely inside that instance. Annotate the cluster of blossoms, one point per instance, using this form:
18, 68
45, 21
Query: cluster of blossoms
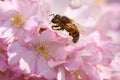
31, 50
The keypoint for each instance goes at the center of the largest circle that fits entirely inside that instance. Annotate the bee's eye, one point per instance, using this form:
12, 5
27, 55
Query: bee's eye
57, 16
56, 19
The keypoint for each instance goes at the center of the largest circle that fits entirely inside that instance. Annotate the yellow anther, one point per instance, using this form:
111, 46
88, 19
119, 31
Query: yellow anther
12, 19
47, 56
99, 2
42, 49
17, 19
79, 77
76, 72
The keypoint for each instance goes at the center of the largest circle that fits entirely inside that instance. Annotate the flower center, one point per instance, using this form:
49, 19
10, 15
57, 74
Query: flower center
43, 49
75, 72
17, 19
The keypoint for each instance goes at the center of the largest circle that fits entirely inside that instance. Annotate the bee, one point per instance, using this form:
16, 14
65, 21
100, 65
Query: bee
65, 23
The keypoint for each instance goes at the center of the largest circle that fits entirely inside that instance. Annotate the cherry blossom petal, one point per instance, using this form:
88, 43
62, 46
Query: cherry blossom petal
24, 7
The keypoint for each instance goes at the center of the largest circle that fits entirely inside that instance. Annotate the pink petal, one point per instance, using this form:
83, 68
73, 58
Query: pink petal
3, 62
74, 62
26, 7
43, 69
15, 52
45, 9
5, 10
57, 6
58, 51
88, 72
61, 74
30, 23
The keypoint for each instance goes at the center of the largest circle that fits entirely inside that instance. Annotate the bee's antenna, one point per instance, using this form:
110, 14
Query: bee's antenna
52, 15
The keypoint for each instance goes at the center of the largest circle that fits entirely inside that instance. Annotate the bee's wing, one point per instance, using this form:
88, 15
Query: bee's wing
78, 27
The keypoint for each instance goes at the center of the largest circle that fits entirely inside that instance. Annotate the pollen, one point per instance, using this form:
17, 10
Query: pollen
79, 77
42, 49
75, 72
17, 19
47, 56
99, 2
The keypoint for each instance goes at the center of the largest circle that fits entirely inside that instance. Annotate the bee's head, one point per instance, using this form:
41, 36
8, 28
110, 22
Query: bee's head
56, 18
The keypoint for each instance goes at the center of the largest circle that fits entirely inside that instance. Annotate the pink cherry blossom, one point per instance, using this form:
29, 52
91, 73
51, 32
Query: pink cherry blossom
33, 51
112, 71
108, 27
109, 22
84, 60
97, 49
16, 16
74, 4
115, 76
36, 52
86, 55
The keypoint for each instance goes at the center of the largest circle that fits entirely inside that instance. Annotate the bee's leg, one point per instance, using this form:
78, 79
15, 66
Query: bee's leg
61, 28
70, 33
55, 27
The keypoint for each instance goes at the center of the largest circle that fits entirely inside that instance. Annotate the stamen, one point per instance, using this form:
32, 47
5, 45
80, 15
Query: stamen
42, 49
1, 50
75, 72
17, 19
47, 56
